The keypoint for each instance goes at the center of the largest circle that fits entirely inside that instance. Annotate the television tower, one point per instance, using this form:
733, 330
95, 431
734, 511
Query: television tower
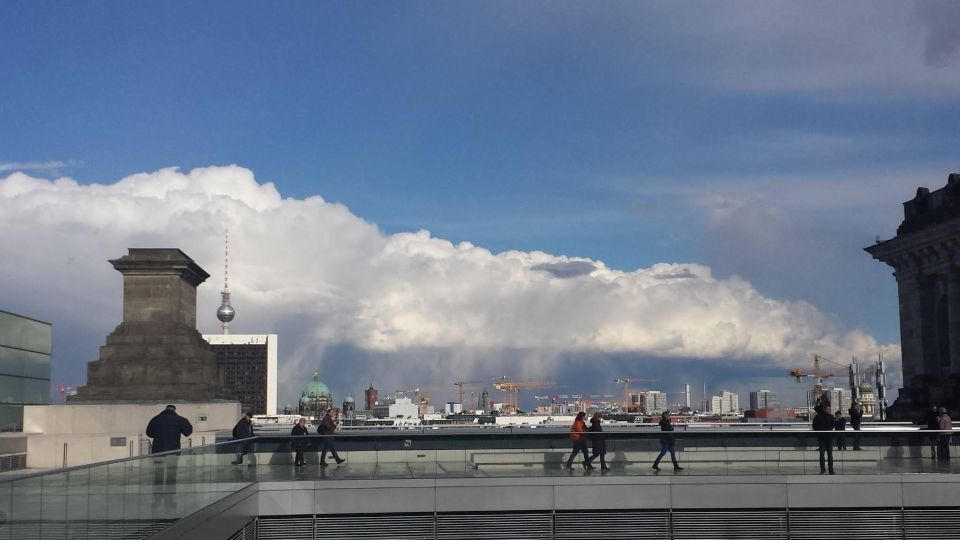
225, 312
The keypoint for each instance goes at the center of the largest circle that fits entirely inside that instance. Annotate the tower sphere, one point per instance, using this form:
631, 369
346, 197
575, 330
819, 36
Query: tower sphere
226, 313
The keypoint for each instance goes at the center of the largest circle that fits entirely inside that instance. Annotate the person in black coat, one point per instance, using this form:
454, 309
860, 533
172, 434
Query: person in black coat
823, 424
166, 428
932, 421
856, 418
299, 441
597, 441
667, 443
326, 428
840, 424
243, 430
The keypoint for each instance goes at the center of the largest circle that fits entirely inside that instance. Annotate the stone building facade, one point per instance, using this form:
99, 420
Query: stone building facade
925, 257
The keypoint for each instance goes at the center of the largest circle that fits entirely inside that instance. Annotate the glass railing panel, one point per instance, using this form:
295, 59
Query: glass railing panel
78, 502
6, 510
53, 505
27, 511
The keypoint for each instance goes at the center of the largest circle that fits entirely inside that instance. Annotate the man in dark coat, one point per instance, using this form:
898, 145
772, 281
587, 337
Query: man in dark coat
823, 424
932, 421
667, 443
326, 428
166, 428
243, 430
856, 418
595, 433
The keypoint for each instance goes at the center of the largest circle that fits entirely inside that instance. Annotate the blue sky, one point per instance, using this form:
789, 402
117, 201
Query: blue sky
766, 140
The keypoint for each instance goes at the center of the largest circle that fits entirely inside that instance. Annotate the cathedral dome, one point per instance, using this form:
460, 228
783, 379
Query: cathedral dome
348, 399
316, 389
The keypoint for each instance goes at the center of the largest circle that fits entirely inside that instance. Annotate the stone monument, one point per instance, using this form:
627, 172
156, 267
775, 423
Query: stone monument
156, 353
925, 257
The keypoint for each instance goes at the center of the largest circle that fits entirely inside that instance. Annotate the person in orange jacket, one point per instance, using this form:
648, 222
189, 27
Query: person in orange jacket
579, 438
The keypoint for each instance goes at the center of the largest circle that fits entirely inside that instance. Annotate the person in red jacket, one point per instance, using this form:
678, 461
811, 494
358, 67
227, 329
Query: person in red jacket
579, 438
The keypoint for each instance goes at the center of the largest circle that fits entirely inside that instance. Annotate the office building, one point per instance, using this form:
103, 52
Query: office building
763, 399
839, 398
248, 364
654, 402
725, 402
453, 407
25, 350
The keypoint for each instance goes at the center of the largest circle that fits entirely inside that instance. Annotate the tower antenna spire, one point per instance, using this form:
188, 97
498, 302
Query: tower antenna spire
225, 312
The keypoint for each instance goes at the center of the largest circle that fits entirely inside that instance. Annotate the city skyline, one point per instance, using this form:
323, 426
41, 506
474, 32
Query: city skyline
566, 193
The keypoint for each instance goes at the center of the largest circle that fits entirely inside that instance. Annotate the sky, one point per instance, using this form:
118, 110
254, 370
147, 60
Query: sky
420, 193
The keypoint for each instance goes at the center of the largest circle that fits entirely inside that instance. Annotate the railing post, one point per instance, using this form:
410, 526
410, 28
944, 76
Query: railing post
64, 455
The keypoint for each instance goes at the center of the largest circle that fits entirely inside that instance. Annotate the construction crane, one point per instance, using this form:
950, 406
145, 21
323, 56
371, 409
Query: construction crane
819, 374
511, 390
625, 381
461, 384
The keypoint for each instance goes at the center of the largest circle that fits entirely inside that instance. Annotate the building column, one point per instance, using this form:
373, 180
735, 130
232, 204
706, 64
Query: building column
953, 318
911, 323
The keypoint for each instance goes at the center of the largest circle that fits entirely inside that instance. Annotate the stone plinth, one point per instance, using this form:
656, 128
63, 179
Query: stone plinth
156, 353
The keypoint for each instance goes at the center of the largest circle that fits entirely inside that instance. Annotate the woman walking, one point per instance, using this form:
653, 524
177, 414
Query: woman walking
299, 441
579, 439
597, 441
667, 443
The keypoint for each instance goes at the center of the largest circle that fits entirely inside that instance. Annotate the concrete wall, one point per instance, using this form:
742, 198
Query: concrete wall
88, 430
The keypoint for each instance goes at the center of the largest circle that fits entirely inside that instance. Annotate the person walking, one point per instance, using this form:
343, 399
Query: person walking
166, 428
667, 443
244, 430
856, 418
823, 424
932, 420
299, 441
579, 441
840, 424
326, 428
595, 432
943, 439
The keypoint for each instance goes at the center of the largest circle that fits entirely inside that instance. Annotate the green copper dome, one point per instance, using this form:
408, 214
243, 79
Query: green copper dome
348, 399
315, 389
865, 387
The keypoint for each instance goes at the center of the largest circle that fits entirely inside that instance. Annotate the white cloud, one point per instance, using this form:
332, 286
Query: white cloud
324, 277
31, 165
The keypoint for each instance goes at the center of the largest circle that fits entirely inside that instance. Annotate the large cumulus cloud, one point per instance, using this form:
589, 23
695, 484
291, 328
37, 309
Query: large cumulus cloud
331, 282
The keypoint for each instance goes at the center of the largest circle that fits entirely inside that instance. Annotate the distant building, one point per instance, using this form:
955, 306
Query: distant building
25, 350
453, 407
349, 407
868, 400
763, 399
404, 407
315, 398
483, 403
370, 397
654, 402
248, 364
725, 402
840, 399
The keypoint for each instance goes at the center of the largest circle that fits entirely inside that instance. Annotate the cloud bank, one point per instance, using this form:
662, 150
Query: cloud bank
329, 282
